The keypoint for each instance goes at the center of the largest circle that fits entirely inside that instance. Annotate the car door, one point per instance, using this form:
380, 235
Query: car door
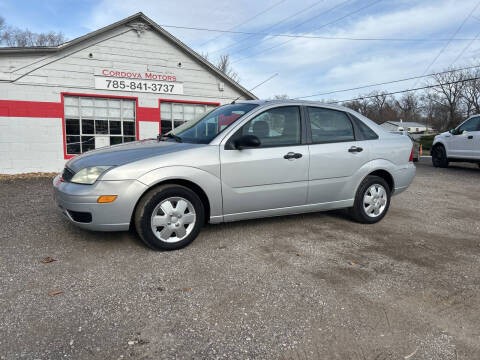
471, 131
461, 143
476, 140
336, 153
273, 175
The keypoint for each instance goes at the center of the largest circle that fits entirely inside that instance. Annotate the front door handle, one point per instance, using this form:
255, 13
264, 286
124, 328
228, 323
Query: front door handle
470, 137
355, 149
292, 155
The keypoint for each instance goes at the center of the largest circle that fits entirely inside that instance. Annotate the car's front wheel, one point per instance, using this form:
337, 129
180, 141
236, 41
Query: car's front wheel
169, 217
371, 201
439, 156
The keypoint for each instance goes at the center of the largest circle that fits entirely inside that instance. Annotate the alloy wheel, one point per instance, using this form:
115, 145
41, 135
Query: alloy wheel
375, 200
173, 219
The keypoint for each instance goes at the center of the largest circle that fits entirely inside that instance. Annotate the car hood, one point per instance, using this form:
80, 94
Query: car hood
444, 134
126, 153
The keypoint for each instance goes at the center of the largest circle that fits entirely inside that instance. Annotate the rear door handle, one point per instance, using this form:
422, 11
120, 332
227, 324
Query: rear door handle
470, 137
355, 149
292, 155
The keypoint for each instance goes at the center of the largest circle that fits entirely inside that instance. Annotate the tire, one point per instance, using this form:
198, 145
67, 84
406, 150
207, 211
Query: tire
439, 157
380, 200
178, 212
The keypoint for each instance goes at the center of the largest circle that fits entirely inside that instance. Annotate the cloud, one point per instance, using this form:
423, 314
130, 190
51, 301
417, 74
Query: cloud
313, 65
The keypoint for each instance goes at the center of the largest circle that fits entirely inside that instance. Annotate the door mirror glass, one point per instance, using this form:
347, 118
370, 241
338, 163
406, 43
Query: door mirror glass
247, 141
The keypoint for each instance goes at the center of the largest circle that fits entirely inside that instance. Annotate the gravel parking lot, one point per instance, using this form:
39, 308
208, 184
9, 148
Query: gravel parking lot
315, 286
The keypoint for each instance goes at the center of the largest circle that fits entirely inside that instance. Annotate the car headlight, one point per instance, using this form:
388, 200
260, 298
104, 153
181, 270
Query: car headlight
89, 175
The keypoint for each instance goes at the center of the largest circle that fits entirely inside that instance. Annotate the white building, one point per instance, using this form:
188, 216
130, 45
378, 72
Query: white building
124, 82
411, 127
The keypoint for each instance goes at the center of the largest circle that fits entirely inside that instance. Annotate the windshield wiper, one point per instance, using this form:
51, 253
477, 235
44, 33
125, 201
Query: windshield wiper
170, 136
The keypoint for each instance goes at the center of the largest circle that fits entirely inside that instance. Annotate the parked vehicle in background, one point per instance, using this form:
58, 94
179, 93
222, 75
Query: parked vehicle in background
270, 158
459, 144
417, 147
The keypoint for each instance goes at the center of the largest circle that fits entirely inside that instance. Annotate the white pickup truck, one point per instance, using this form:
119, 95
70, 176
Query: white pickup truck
459, 144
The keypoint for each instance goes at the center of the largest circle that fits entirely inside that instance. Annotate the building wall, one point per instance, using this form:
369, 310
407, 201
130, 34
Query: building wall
31, 89
30, 145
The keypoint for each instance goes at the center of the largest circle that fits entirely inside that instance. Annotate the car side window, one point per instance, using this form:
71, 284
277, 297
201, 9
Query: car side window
365, 131
470, 125
329, 125
275, 127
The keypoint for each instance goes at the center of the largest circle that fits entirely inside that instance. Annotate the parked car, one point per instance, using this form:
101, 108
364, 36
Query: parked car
417, 147
459, 144
273, 158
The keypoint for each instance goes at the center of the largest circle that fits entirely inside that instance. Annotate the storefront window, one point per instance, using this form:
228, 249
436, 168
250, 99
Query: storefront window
91, 122
174, 114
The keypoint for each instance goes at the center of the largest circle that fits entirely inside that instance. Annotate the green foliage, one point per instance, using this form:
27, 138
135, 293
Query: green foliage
427, 141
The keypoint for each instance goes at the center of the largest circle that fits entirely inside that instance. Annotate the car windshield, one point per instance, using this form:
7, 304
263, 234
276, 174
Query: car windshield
203, 130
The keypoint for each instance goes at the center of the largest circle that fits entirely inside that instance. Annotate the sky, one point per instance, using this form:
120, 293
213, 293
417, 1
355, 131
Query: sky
304, 65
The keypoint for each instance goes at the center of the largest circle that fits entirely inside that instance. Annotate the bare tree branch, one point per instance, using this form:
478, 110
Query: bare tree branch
16, 37
224, 66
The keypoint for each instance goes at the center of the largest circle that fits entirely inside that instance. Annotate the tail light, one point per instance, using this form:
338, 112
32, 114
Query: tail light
421, 151
411, 155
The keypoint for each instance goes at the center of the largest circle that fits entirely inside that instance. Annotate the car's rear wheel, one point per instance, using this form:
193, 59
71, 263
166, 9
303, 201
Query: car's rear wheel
439, 156
169, 217
372, 200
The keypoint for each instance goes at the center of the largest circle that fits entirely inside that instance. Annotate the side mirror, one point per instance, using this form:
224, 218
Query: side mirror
452, 131
247, 141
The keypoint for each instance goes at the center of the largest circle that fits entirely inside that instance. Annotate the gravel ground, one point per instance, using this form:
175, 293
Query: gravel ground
314, 286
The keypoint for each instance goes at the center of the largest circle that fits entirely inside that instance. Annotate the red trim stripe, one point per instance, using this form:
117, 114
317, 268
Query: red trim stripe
148, 114
35, 109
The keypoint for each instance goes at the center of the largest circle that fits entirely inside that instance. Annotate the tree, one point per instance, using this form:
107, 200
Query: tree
449, 87
224, 65
16, 37
408, 107
471, 92
362, 106
434, 111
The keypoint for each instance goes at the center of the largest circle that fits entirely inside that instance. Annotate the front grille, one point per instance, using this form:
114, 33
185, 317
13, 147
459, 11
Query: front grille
67, 174
82, 217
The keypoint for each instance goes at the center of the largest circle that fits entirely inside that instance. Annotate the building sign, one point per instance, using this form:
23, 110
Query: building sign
123, 80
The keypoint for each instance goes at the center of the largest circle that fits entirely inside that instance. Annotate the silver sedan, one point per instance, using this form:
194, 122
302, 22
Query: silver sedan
244, 160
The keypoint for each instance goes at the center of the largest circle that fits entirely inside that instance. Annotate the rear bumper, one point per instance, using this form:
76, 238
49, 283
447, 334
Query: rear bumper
78, 203
403, 177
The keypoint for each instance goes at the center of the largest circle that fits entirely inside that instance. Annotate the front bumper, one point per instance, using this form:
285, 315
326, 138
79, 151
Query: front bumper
74, 199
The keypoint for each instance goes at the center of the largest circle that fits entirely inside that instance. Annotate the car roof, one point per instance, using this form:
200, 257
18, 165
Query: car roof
292, 102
